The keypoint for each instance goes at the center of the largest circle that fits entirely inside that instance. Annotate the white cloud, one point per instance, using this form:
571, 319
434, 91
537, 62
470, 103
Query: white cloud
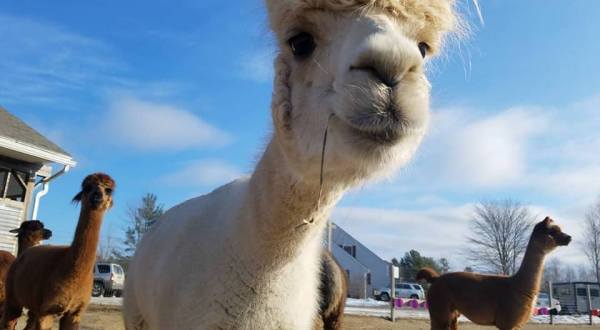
205, 172
148, 126
483, 151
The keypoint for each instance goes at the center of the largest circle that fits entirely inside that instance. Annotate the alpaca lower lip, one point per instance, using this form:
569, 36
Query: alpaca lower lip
388, 134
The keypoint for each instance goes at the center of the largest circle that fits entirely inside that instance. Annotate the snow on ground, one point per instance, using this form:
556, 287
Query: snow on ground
107, 301
371, 307
351, 302
565, 319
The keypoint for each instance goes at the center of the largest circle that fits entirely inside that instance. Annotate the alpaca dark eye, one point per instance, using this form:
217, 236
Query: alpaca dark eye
424, 48
302, 44
108, 191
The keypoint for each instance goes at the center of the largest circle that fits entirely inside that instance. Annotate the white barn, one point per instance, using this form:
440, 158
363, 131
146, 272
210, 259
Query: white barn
26, 157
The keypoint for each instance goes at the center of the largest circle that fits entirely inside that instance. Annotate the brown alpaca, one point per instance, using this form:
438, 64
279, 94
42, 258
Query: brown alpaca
29, 234
501, 301
57, 280
333, 289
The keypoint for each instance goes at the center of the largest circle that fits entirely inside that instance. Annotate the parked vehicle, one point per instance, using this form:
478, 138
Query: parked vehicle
108, 280
543, 300
573, 296
403, 290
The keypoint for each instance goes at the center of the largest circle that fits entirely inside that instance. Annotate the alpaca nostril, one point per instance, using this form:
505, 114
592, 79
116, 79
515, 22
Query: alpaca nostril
380, 75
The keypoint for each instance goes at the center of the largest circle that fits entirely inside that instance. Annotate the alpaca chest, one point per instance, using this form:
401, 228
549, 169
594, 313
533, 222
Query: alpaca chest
286, 300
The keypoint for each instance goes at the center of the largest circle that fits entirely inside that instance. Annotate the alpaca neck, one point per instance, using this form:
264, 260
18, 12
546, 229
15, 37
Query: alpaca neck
278, 203
25, 243
529, 275
84, 245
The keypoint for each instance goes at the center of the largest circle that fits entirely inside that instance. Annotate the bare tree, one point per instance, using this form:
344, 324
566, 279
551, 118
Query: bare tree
591, 239
499, 234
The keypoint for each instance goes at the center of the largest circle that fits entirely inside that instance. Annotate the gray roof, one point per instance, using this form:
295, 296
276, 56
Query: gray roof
14, 128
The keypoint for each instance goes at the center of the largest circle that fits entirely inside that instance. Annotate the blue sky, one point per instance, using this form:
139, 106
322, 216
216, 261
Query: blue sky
175, 100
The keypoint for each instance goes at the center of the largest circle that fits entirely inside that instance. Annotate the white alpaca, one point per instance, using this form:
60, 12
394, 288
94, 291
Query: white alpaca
242, 256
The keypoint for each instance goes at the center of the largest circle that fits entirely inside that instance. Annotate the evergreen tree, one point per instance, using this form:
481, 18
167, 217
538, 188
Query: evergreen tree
412, 262
140, 219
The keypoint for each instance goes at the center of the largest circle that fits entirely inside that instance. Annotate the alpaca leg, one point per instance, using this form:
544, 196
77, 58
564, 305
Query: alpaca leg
70, 321
10, 316
31, 321
332, 322
454, 323
37, 322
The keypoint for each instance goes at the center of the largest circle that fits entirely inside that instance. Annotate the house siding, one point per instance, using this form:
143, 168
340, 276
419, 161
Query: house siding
369, 261
11, 217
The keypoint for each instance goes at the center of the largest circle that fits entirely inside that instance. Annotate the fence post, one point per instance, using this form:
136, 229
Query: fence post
589, 299
392, 293
550, 303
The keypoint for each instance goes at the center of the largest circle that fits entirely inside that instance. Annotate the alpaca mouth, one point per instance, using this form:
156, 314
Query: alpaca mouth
380, 128
384, 137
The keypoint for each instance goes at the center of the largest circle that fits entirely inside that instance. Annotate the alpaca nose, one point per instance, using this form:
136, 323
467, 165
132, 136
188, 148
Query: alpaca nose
383, 76
96, 197
387, 58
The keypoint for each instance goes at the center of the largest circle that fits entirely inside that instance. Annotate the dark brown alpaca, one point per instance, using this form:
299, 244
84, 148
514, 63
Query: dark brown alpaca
56, 281
29, 234
333, 289
502, 301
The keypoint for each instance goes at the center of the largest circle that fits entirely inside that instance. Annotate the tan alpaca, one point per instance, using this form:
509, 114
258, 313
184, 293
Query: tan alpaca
29, 234
56, 281
502, 301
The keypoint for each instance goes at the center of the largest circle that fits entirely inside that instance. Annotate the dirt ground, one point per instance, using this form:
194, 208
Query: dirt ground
109, 318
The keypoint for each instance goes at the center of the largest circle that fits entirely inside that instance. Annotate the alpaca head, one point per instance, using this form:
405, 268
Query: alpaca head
96, 192
547, 235
33, 231
357, 67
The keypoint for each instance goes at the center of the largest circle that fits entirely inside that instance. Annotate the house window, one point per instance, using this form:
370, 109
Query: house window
13, 184
594, 293
368, 278
351, 249
581, 292
16, 186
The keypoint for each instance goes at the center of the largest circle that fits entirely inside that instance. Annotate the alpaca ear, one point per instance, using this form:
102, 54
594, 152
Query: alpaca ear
15, 231
77, 197
281, 106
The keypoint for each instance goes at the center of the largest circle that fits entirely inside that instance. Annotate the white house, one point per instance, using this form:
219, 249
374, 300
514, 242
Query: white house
26, 157
366, 271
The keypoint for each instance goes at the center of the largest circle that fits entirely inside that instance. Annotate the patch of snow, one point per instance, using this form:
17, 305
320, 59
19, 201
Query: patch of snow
370, 307
366, 303
565, 319
107, 301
